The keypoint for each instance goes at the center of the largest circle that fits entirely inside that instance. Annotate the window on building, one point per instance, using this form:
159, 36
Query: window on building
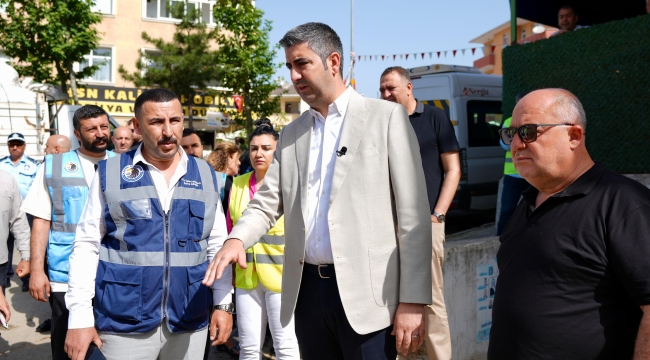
523, 33
161, 9
506, 38
149, 62
484, 119
102, 57
103, 6
292, 107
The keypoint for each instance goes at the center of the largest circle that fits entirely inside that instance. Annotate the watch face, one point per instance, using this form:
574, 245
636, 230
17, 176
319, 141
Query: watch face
441, 218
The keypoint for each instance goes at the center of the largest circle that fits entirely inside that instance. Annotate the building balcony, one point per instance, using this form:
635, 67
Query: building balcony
485, 64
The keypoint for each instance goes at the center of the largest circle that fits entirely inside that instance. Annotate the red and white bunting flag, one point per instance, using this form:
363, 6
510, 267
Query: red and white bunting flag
463, 50
382, 57
365, 57
473, 49
407, 56
423, 55
415, 56
438, 54
446, 53
483, 50
394, 56
359, 57
454, 51
401, 56
430, 54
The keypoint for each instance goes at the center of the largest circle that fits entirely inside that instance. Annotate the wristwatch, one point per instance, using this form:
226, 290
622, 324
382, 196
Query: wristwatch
440, 217
229, 308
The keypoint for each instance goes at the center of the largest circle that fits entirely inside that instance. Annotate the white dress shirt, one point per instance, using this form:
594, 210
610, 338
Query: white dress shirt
322, 158
39, 203
92, 228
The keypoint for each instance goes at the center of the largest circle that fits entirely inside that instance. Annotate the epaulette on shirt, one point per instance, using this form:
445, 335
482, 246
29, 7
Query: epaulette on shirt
36, 162
4, 158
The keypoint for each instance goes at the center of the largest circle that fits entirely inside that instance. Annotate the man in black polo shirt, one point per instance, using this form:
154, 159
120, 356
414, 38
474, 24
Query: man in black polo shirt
574, 262
441, 163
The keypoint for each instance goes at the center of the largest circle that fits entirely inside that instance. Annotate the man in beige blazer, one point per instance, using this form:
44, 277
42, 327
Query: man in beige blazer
347, 176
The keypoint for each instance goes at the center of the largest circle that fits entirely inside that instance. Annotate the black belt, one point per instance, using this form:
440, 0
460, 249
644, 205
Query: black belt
324, 271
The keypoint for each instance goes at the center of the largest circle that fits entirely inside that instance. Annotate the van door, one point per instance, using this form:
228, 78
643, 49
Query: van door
435, 91
484, 154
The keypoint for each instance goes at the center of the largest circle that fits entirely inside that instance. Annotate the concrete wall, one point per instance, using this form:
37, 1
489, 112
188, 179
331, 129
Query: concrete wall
459, 271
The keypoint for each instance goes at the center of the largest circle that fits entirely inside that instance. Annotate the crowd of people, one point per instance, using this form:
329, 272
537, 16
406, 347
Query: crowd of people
334, 239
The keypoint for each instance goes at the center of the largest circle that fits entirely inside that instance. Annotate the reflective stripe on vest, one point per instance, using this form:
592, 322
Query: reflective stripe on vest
115, 196
265, 259
508, 166
68, 190
152, 261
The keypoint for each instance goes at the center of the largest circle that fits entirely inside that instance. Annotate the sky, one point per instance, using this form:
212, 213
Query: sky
392, 27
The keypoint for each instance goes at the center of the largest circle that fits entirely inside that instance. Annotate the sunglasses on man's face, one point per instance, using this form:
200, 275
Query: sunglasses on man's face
527, 133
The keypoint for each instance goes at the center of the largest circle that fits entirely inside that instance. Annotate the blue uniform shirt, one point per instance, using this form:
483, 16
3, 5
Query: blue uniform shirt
24, 172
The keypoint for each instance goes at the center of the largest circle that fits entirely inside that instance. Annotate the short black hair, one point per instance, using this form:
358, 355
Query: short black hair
320, 38
86, 112
399, 70
264, 127
158, 95
567, 7
188, 132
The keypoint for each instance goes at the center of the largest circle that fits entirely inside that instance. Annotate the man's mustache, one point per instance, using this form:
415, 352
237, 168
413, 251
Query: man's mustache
98, 140
169, 140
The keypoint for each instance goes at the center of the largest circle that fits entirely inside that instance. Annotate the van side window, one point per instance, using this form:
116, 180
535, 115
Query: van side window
484, 119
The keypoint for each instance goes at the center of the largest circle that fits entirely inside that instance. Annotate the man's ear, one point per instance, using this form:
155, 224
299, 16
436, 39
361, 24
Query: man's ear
77, 135
576, 136
136, 126
334, 61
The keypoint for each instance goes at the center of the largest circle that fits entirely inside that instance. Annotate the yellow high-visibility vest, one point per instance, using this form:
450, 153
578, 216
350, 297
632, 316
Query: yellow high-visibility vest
265, 258
509, 166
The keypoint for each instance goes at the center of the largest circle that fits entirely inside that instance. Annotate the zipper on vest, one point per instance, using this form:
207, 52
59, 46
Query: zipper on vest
166, 269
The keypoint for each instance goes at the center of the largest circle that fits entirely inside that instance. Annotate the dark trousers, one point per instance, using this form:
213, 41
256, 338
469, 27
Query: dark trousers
59, 325
3, 275
322, 328
510, 195
10, 249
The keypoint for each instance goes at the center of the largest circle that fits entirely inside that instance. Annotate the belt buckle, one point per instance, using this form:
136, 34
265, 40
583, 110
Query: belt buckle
321, 275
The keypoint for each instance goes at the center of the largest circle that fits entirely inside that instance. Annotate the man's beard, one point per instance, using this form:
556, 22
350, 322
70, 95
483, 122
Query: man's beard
92, 145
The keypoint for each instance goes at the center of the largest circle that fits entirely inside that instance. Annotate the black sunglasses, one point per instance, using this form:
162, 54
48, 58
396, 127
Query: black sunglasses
527, 133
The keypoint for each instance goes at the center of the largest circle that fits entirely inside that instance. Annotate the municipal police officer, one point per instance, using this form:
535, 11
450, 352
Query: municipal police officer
56, 201
23, 169
152, 221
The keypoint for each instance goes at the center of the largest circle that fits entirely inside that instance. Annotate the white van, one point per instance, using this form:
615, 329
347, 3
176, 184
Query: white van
472, 101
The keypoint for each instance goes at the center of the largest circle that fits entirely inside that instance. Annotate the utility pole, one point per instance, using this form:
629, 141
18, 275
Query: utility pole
353, 82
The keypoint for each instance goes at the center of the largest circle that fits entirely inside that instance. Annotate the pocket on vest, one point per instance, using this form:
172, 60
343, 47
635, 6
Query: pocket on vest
137, 209
121, 297
198, 296
384, 274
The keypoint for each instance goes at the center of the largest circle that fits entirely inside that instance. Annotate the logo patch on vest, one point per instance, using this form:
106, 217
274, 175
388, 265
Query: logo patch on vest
71, 167
132, 173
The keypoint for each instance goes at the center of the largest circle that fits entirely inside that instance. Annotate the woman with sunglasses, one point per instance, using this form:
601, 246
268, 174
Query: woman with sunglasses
258, 287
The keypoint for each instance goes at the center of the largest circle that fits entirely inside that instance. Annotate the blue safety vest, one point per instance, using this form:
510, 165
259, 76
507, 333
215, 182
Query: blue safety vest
68, 190
151, 263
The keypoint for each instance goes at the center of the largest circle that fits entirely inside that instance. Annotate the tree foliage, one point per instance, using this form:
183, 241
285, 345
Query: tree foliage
185, 65
246, 57
49, 35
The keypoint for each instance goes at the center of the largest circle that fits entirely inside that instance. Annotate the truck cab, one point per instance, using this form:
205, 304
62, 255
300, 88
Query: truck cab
472, 101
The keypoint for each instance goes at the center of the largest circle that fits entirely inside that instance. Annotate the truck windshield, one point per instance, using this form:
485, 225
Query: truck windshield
484, 119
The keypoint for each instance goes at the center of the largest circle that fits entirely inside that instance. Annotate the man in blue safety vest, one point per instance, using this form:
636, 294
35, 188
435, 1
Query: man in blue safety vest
152, 221
56, 200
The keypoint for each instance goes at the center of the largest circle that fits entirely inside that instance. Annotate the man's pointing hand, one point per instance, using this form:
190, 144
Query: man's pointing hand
231, 252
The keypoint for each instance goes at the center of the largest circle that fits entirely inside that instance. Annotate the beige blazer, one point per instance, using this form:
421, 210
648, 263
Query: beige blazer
380, 226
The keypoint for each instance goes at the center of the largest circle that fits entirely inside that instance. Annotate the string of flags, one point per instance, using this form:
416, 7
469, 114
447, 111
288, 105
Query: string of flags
420, 55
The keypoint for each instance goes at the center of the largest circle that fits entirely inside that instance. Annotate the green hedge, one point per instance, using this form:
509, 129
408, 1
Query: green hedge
607, 66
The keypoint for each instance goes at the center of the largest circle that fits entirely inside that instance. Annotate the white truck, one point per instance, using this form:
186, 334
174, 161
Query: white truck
472, 101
